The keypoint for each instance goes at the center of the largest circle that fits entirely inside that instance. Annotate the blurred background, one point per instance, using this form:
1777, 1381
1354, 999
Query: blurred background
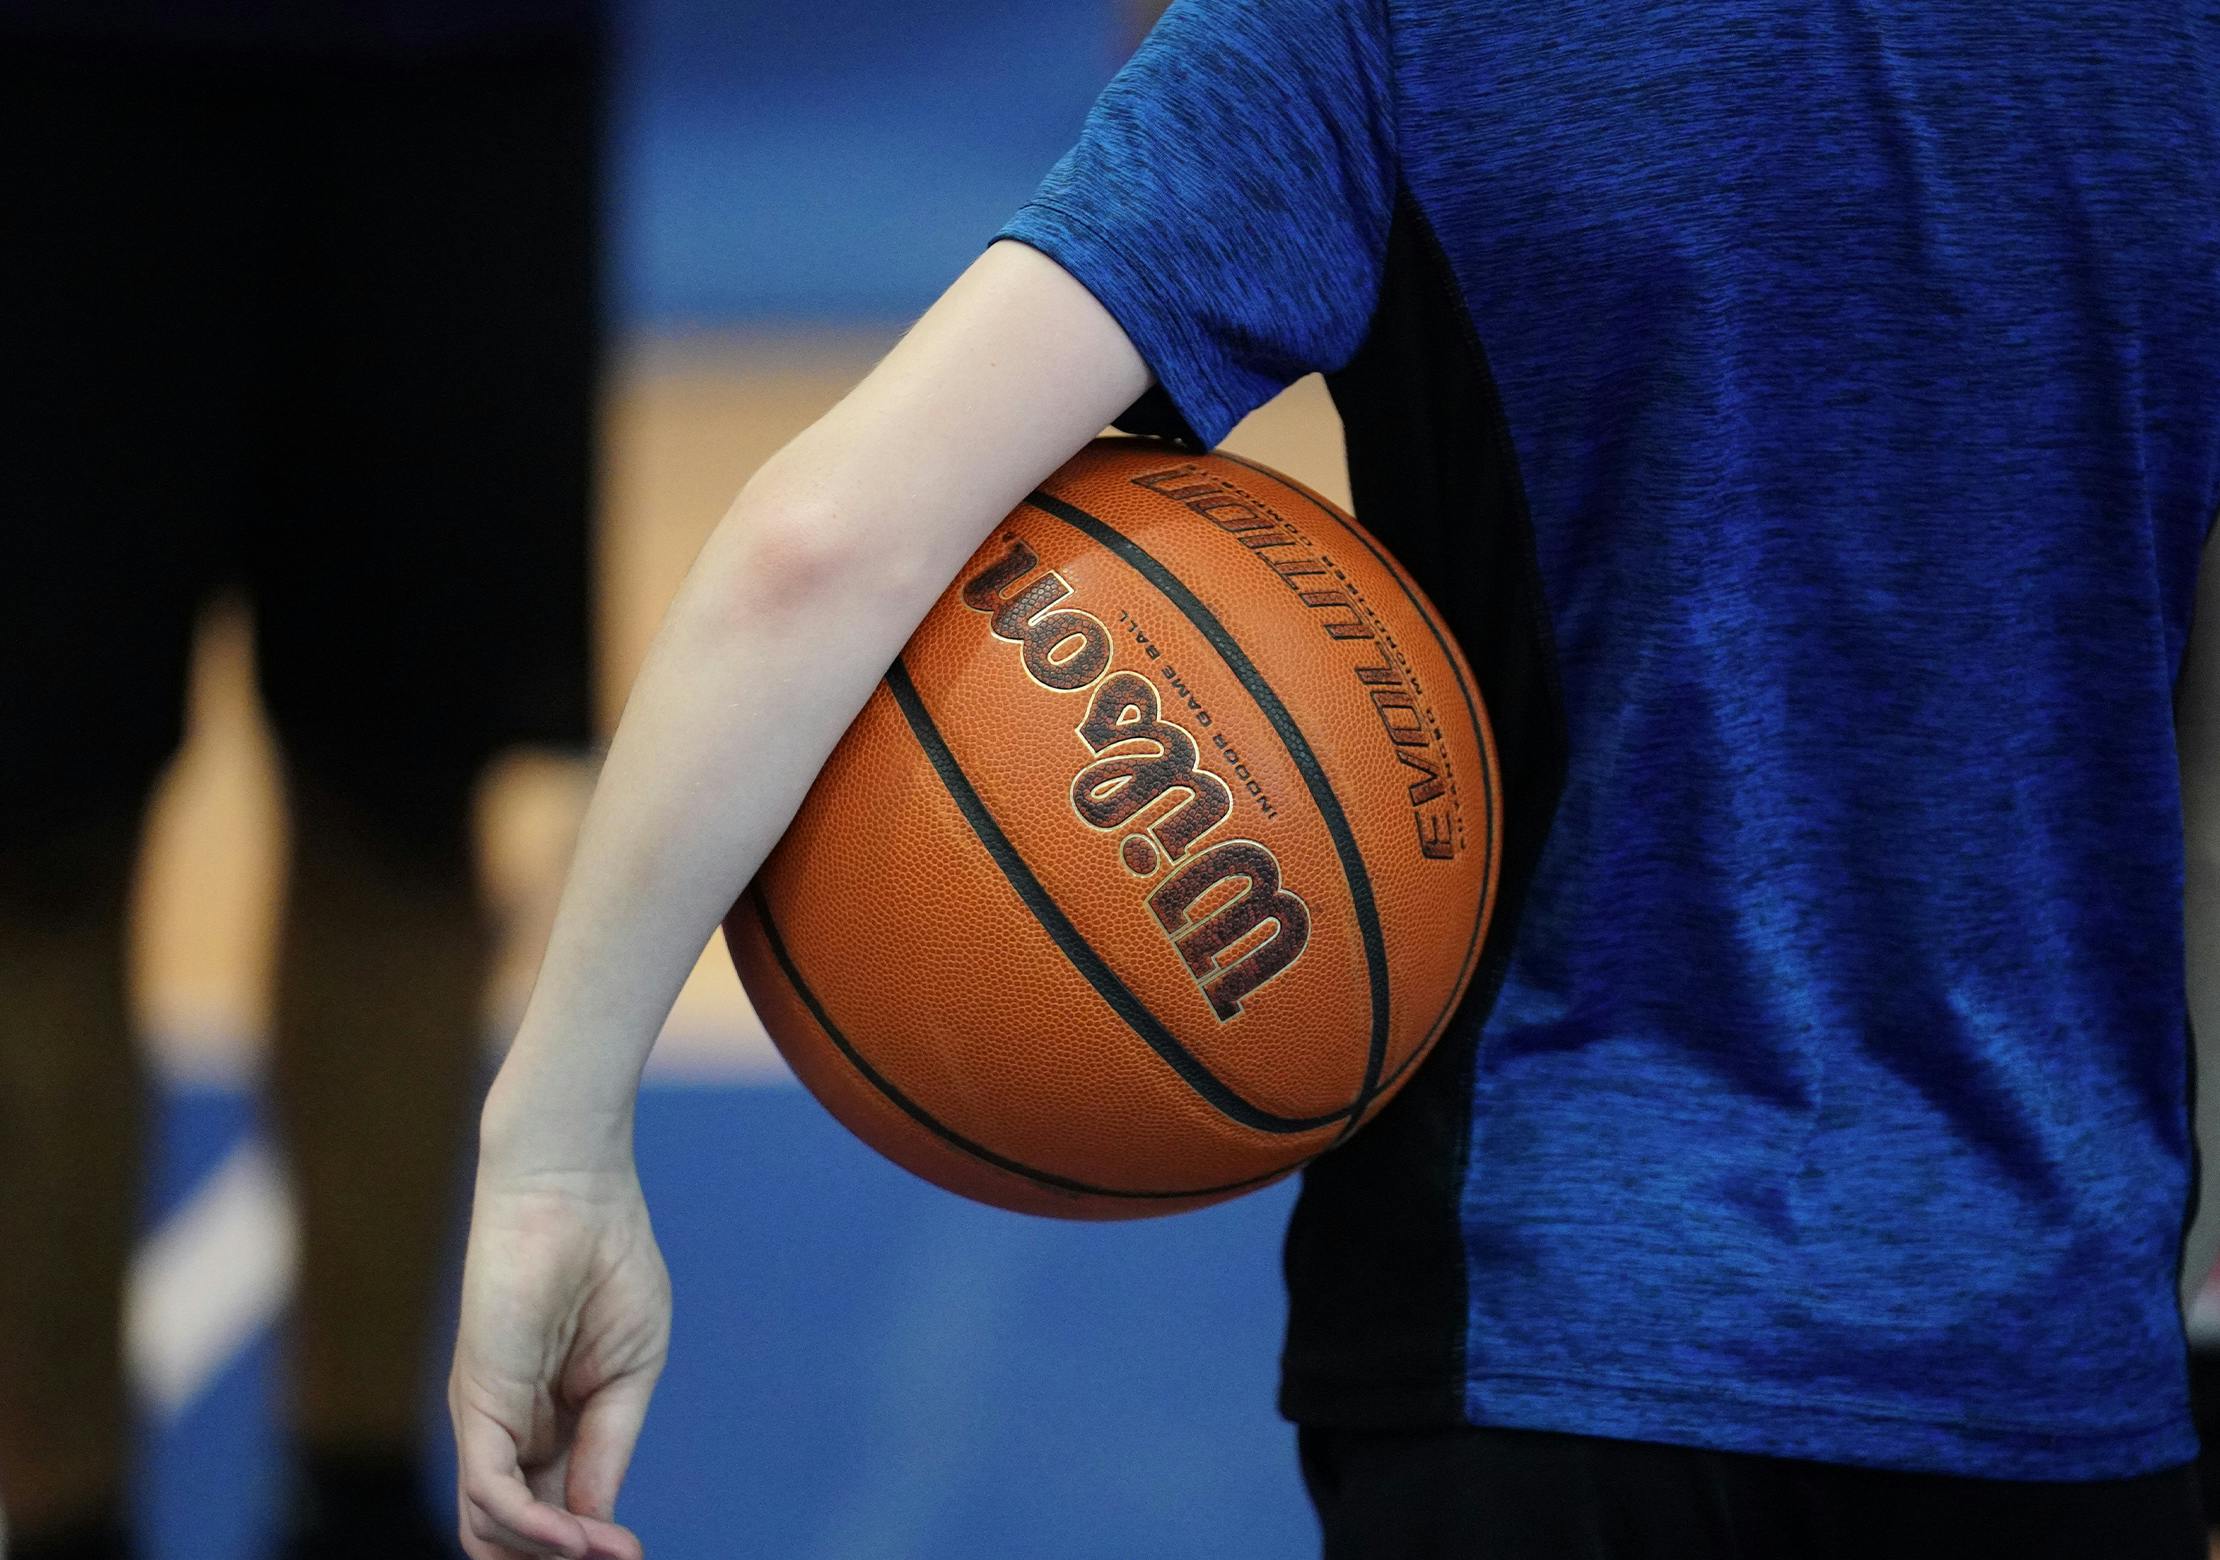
863, 1366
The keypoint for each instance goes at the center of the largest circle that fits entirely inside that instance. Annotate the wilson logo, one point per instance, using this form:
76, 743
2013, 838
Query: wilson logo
1232, 922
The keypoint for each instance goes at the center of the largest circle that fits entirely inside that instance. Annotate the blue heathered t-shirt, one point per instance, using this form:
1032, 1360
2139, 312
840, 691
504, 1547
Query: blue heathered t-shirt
1845, 384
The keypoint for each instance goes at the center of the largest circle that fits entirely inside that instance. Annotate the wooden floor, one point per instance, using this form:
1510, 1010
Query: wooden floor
686, 423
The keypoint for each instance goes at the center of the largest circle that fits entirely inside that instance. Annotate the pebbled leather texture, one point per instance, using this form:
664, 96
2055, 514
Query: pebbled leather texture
1156, 864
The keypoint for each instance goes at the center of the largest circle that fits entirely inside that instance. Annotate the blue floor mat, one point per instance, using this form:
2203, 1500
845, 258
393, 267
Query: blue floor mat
867, 1368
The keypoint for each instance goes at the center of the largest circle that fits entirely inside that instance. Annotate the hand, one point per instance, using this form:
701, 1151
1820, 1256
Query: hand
566, 1316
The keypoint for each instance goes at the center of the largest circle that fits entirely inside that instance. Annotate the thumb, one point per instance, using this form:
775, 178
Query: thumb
601, 1451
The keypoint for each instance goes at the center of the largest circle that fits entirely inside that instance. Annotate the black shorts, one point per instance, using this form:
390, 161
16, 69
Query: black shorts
1528, 1495
324, 331
2204, 1407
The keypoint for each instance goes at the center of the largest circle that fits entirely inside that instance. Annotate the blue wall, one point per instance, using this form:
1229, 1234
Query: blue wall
838, 159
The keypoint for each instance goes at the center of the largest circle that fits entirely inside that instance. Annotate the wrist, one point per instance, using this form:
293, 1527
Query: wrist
539, 1120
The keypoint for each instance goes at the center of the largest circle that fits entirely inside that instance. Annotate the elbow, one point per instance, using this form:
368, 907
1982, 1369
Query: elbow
781, 557
790, 556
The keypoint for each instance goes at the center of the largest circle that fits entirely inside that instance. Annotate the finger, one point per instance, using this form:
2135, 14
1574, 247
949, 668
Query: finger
472, 1545
505, 1543
498, 1506
607, 1541
551, 1479
483, 1539
521, 1524
601, 1451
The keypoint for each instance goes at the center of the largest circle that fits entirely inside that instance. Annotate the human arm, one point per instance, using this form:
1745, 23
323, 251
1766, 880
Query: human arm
796, 605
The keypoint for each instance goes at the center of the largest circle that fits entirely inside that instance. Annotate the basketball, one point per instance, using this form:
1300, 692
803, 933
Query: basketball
1156, 862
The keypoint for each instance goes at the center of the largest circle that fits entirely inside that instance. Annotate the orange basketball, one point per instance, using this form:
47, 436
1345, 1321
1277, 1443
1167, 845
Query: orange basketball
1182, 837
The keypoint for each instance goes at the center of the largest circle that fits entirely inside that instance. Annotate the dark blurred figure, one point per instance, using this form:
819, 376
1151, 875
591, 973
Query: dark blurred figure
2204, 1408
303, 300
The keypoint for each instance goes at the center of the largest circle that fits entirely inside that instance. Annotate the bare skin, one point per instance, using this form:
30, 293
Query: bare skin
798, 602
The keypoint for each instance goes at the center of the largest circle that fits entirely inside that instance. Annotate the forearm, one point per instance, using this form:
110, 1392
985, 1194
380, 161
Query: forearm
743, 693
804, 594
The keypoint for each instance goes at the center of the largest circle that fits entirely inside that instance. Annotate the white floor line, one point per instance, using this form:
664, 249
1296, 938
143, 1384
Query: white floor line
219, 1270
205, 1284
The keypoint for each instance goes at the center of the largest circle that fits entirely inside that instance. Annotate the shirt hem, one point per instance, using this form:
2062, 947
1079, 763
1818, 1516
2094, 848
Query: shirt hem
1716, 1419
1124, 287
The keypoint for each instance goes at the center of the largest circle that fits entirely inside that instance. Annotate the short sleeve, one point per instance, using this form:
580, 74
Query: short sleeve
1229, 199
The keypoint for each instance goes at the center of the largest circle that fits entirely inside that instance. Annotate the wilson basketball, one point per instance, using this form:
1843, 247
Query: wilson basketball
1182, 839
